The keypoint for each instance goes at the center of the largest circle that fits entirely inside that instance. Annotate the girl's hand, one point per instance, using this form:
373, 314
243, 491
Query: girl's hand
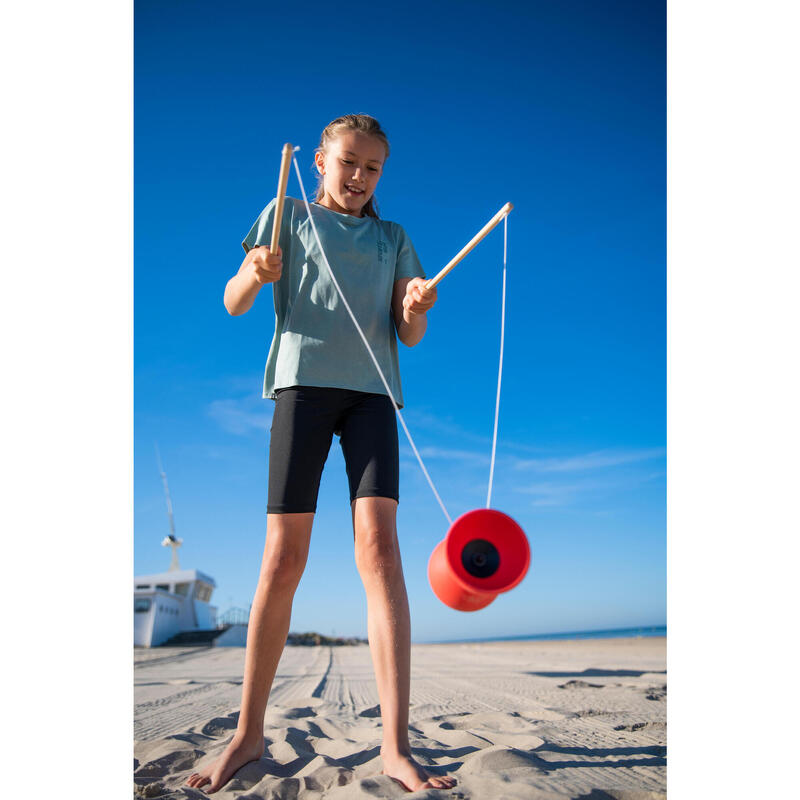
418, 299
264, 266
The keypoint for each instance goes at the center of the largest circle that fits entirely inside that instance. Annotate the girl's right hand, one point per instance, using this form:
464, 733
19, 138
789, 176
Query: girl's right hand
263, 265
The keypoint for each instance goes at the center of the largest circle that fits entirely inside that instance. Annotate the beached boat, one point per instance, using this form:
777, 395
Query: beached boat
174, 602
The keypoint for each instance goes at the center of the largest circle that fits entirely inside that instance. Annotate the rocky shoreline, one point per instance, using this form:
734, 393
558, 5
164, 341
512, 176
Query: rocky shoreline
317, 639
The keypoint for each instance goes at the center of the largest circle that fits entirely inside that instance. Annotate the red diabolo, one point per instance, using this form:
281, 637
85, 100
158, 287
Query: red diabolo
484, 553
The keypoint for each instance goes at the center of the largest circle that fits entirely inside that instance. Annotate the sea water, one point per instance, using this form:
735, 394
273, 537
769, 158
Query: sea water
612, 633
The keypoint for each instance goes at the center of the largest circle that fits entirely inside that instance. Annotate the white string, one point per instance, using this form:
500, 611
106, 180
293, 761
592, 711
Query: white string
500, 369
364, 339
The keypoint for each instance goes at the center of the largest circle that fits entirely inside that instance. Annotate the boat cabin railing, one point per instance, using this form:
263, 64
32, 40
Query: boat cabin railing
233, 616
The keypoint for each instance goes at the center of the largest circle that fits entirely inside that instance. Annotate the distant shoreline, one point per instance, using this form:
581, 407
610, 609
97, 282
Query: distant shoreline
313, 639
610, 633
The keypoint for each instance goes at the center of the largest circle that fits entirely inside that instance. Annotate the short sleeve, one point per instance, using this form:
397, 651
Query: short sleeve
407, 265
261, 231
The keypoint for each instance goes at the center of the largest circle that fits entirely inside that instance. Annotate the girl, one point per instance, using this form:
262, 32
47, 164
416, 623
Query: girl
324, 383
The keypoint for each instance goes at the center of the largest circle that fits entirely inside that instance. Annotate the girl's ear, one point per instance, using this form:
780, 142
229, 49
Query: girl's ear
319, 160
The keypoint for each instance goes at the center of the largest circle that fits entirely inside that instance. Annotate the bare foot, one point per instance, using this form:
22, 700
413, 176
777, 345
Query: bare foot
239, 752
412, 776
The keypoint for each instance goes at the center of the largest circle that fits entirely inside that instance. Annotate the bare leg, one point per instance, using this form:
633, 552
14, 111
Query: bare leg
285, 555
389, 630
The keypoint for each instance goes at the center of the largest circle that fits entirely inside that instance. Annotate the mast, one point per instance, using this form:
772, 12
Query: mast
171, 540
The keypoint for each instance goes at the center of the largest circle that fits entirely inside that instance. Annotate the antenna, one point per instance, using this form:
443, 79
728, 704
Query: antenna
171, 540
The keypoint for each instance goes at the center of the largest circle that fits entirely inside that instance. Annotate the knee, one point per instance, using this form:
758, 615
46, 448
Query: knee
377, 552
283, 567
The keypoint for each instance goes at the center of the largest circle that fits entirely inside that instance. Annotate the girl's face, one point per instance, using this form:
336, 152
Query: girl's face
351, 167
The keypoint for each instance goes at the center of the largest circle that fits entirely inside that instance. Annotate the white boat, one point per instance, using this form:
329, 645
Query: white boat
169, 603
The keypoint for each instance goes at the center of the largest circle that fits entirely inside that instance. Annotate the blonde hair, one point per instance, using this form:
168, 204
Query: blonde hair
361, 123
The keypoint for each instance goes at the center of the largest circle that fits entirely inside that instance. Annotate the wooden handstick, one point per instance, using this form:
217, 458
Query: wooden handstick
504, 211
283, 179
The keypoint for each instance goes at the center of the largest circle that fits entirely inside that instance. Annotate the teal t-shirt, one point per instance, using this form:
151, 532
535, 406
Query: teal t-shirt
315, 342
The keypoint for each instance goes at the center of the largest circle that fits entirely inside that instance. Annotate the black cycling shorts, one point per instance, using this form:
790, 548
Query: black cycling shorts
303, 424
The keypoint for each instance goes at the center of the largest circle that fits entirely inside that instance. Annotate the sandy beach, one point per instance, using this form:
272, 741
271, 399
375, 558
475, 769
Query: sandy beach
509, 720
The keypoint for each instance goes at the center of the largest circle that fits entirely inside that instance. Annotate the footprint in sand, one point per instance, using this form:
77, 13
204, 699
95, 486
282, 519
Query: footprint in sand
641, 726
151, 790
580, 685
500, 758
168, 763
593, 712
480, 731
299, 713
220, 726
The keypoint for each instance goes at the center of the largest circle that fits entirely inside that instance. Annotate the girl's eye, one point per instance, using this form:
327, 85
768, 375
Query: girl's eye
373, 169
346, 162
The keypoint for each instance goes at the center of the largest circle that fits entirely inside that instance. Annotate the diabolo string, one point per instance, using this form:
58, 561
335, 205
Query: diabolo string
500, 369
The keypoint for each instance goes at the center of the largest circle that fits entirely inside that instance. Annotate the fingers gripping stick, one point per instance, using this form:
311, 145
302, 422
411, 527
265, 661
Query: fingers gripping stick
283, 179
481, 234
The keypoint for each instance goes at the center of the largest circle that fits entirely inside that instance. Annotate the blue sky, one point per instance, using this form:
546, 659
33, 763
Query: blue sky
557, 107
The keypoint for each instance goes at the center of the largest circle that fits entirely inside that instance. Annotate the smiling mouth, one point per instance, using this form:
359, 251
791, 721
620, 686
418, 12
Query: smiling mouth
354, 190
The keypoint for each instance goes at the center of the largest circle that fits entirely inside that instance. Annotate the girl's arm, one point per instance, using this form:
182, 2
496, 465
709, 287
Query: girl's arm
410, 302
259, 267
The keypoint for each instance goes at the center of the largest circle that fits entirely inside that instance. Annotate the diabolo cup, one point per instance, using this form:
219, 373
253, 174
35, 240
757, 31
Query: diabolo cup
484, 553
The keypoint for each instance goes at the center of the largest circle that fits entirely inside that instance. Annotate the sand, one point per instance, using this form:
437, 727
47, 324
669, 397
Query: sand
509, 720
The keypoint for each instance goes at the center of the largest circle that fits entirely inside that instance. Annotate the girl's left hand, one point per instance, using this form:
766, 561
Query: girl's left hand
418, 299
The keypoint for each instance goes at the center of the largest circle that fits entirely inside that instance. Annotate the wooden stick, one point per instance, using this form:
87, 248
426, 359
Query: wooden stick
283, 179
503, 212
